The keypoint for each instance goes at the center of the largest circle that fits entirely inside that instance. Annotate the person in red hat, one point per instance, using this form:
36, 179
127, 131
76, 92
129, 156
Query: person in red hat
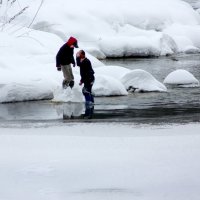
64, 59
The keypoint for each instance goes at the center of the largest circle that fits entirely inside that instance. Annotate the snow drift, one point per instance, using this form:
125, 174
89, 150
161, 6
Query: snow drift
129, 28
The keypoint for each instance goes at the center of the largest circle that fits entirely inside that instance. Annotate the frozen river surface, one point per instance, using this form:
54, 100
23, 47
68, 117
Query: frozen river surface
178, 105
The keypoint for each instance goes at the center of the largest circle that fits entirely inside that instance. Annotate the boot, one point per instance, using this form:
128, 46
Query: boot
71, 84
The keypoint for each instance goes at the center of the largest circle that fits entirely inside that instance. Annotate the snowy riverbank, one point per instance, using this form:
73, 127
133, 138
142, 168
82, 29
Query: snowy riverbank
136, 28
31, 73
80, 161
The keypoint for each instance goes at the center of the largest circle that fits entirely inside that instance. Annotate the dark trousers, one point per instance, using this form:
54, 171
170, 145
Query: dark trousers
87, 92
89, 99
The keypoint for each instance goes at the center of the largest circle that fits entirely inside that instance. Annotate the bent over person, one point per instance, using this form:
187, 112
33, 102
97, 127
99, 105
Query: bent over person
87, 78
64, 59
87, 75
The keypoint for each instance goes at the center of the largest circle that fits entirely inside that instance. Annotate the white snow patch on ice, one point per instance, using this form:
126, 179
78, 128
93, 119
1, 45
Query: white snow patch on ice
100, 161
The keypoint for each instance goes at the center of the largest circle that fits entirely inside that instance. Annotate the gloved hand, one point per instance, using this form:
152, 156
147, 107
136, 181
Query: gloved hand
58, 67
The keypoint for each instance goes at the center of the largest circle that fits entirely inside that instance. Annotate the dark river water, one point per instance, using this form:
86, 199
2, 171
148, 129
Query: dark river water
178, 105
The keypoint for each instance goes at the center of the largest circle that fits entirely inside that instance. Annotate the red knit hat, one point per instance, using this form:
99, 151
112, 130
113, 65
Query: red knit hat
72, 41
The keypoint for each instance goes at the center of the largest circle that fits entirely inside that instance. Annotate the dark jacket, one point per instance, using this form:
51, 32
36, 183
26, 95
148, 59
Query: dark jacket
86, 71
65, 56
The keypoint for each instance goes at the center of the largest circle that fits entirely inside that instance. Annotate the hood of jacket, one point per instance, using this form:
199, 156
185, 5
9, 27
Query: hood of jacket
71, 41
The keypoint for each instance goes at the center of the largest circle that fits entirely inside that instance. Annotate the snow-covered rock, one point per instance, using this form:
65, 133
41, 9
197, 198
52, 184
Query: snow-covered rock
181, 77
143, 81
108, 86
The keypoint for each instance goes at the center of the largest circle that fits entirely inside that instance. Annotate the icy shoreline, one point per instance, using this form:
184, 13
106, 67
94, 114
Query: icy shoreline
80, 161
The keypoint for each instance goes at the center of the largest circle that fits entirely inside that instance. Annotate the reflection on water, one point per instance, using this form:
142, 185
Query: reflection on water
89, 110
78, 110
44, 111
72, 110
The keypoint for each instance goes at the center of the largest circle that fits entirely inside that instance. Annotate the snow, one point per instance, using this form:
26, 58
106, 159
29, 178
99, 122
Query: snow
104, 84
181, 77
113, 71
131, 28
184, 36
25, 91
142, 81
31, 73
80, 161
68, 95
